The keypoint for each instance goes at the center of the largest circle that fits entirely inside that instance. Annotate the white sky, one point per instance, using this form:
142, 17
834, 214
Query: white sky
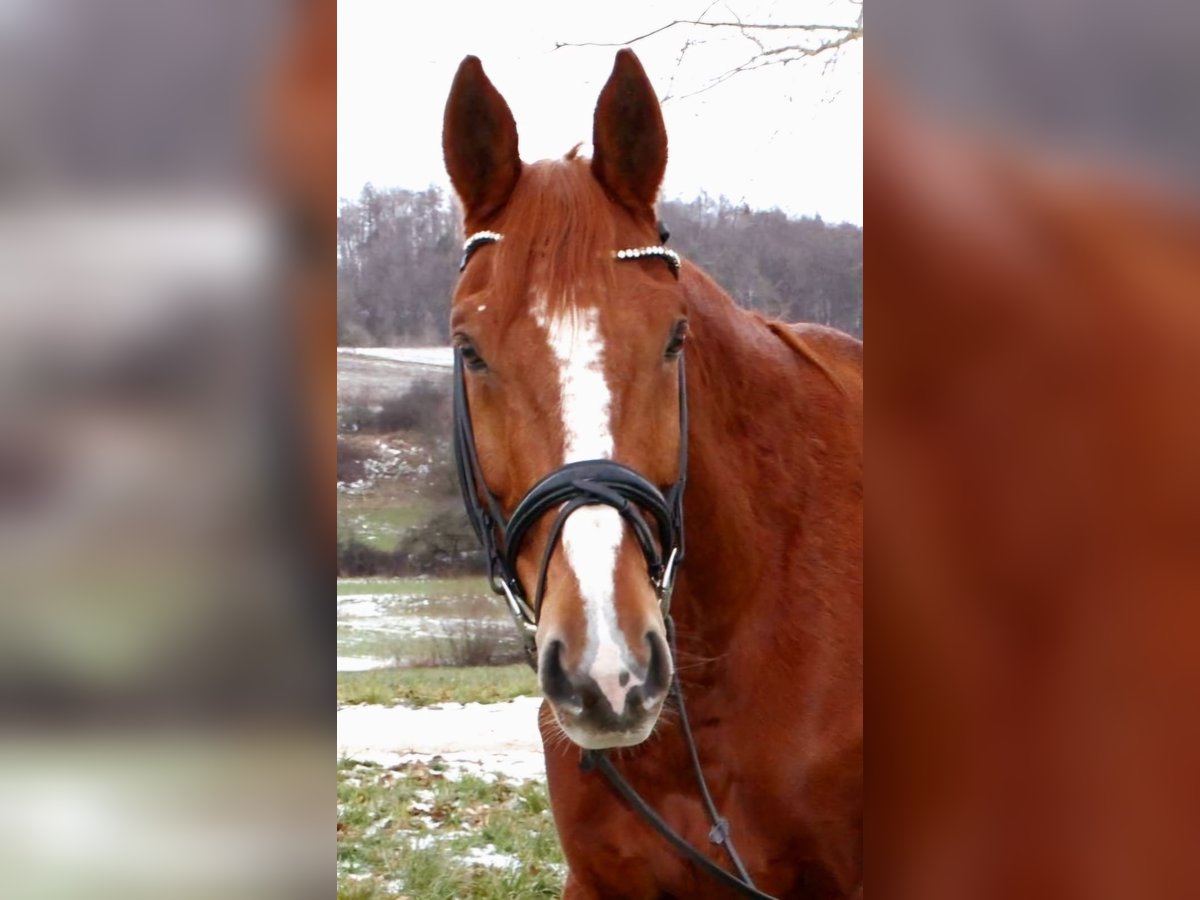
787, 136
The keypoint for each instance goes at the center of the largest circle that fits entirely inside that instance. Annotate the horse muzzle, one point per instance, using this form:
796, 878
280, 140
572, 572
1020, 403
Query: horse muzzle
607, 703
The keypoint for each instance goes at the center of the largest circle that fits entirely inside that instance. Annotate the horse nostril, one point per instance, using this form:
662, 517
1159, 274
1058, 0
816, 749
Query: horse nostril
658, 674
589, 695
555, 683
634, 698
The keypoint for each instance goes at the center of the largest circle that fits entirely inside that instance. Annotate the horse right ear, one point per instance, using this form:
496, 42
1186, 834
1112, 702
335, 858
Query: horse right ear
629, 139
479, 142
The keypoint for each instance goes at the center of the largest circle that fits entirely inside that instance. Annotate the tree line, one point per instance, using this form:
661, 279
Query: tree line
398, 254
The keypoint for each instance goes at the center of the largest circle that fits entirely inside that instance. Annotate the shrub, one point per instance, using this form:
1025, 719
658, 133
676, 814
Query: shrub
425, 408
442, 480
356, 559
473, 642
444, 544
354, 418
479, 640
351, 462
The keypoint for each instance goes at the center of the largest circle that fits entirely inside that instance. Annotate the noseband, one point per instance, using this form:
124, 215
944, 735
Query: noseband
654, 516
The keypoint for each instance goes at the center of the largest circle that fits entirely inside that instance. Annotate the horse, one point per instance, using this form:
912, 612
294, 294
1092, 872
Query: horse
617, 413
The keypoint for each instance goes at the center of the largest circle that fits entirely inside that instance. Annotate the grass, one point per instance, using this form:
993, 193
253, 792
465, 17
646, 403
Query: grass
424, 686
379, 520
410, 831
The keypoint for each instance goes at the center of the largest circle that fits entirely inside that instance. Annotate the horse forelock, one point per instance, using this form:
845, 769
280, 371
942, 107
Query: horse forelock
560, 231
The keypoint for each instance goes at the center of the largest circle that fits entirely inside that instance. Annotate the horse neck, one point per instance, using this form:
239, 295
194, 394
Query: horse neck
745, 490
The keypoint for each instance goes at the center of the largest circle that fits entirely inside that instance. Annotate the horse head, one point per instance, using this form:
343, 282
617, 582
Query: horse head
569, 324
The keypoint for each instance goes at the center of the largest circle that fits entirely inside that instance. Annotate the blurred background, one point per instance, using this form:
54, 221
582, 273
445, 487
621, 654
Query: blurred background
1031, 178
166, 192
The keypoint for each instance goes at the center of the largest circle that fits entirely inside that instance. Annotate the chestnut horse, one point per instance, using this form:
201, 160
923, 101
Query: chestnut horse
573, 326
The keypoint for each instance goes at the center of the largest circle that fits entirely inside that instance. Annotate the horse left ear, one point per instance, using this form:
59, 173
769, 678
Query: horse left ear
629, 138
479, 142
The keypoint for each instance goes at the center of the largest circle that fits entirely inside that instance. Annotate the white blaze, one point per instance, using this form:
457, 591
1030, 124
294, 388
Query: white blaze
592, 534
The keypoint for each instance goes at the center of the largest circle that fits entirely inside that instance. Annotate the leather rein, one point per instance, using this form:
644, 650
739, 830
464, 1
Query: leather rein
566, 489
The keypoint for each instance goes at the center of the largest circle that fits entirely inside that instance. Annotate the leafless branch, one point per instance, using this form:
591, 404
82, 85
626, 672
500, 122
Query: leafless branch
777, 56
824, 40
852, 31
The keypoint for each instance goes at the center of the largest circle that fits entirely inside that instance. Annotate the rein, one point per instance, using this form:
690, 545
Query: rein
568, 488
598, 759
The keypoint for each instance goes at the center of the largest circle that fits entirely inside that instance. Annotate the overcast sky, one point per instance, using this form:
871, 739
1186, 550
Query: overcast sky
786, 136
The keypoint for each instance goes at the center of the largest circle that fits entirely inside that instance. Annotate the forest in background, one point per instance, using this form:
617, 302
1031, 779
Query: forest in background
398, 254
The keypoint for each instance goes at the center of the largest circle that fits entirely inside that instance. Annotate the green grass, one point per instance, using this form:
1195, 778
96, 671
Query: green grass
423, 686
408, 831
379, 520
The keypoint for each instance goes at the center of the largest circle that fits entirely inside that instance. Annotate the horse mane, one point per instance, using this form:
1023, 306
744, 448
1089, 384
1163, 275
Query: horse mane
797, 337
559, 232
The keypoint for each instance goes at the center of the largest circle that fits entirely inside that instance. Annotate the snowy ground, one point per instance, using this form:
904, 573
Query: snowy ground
379, 629
381, 372
472, 737
476, 737
425, 356
361, 663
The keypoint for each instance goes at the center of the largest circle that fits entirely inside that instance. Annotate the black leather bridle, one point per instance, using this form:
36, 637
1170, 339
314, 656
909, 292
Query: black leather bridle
587, 483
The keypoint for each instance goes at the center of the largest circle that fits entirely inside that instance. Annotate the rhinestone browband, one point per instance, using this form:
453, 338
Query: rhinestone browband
475, 241
659, 250
479, 238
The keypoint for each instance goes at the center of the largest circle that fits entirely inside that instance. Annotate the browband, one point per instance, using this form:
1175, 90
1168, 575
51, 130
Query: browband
480, 238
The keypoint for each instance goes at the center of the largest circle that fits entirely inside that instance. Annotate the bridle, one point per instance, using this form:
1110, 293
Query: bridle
592, 482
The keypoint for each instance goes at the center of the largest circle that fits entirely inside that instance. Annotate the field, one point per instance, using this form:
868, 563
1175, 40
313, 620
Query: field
427, 831
451, 804
440, 779
419, 687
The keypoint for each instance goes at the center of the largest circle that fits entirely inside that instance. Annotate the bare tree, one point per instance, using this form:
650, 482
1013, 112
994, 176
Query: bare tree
398, 255
767, 43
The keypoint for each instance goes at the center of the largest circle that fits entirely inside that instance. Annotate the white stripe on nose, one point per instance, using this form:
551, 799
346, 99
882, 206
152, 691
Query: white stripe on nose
592, 534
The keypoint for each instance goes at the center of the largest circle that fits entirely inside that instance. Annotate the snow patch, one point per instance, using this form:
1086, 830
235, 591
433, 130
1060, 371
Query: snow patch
361, 663
442, 357
490, 857
483, 739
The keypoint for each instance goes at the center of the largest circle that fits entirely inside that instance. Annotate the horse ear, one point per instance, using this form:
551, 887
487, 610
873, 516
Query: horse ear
629, 138
479, 142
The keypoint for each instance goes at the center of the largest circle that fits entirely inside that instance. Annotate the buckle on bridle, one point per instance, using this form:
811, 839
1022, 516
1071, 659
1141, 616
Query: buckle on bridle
522, 615
666, 582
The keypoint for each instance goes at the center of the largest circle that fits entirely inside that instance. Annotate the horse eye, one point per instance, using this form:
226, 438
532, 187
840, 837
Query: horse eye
470, 356
675, 345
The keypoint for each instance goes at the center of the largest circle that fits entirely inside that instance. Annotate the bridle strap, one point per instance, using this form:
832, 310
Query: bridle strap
604, 487
598, 759
486, 516
603, 481
577, 484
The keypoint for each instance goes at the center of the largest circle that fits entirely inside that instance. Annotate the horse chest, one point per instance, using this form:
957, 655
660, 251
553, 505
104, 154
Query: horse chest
612, 852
